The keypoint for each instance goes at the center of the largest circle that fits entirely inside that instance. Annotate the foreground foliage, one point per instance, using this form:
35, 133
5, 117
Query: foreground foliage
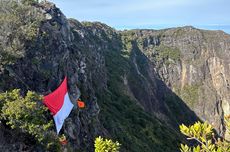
28, 115
203, 134
106, 145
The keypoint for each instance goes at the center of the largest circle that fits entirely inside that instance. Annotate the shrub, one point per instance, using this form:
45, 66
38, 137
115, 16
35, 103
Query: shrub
28, 115
105, 145
19, 29
203, 134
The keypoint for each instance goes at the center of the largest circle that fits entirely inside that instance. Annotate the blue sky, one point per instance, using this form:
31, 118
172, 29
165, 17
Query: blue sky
154, 14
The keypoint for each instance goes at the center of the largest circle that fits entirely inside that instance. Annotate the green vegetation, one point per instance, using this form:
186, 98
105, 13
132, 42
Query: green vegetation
178, 112
189, 94
19, 28
164, 53
127, 38
227, 123
136, 130
28, 115
29, 2
105, 145
87, 24
179, 32
126, 121
203, 134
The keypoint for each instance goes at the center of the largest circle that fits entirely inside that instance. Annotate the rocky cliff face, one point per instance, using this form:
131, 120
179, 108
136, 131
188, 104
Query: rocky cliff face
138, 85
194, 64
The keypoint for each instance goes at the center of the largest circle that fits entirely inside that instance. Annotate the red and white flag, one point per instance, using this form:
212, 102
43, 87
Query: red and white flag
58, 102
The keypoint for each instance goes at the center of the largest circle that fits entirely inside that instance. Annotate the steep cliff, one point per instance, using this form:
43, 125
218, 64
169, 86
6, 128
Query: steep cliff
138, 85
194, 64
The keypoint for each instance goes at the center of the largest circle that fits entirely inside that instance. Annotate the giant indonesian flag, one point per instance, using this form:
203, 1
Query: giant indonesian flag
58, 102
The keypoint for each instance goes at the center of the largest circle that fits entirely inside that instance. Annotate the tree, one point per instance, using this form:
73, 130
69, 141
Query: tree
105, 145
203, 134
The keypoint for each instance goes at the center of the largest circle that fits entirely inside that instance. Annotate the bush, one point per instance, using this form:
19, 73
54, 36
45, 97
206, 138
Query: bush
19, 29
203, 134
28, 115
105, 145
